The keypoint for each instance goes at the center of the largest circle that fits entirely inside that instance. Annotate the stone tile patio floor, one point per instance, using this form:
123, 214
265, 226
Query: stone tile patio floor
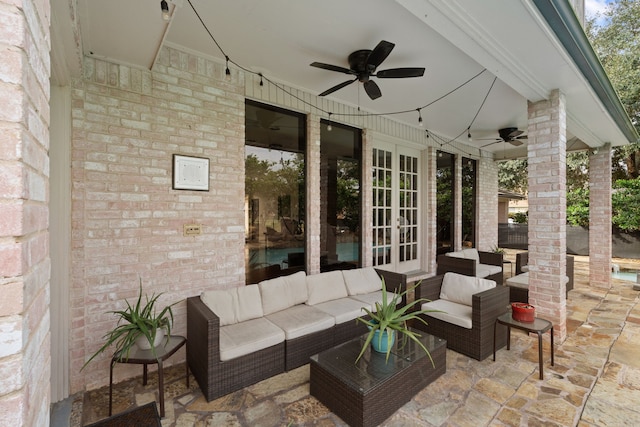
595, 380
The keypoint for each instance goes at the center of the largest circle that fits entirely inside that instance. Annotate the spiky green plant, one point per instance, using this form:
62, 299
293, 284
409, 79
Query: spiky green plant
389, 317
135, 321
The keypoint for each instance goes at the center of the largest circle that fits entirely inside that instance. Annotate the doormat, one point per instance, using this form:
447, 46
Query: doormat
142, 416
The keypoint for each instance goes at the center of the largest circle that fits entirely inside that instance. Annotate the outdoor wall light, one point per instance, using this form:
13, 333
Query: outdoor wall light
165, 10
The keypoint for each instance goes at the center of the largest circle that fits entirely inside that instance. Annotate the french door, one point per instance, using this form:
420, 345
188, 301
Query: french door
396, 212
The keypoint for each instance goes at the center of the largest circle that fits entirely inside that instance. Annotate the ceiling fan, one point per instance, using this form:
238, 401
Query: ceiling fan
363, 64
511, 135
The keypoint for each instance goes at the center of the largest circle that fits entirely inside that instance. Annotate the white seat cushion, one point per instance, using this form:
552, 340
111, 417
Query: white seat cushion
301, 320
460, 289
248, 337
343, 309
451, 312
455, 254
326, 287
362, 280
519, 281
369, 300
471, 253
484, 270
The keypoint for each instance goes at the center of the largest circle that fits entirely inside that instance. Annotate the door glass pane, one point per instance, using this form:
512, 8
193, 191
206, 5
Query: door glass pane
340, 200
408, 210
382, 164
274, 191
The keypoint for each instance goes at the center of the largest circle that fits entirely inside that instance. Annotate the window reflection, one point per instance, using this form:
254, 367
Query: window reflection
274, 192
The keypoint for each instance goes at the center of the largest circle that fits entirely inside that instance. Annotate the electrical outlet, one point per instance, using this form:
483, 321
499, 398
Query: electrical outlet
192, 229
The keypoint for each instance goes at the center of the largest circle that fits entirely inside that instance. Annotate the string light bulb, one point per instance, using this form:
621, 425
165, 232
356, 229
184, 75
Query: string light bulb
428, 136
329, 127
165, 10
227, 72
419, 117
261, 82
469, 135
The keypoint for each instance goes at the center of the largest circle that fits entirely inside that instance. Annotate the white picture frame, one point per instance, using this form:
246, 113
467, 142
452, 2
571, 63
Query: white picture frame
190, 173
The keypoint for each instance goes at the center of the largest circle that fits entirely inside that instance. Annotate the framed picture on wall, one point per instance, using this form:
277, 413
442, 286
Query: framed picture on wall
190, 173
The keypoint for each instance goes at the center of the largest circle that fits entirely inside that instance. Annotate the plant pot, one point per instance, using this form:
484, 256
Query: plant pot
382, 345
143, 343
523, 312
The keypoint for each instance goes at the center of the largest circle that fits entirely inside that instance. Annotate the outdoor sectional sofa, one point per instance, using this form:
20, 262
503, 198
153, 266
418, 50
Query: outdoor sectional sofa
468, 308
472, 262
240, 336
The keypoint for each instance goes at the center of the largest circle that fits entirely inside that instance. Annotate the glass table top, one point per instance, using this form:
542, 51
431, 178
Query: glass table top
372, 369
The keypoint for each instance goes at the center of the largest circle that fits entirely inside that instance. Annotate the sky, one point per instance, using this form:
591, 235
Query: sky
591, 7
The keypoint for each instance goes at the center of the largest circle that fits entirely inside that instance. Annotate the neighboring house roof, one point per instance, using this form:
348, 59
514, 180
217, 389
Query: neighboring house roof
505, 194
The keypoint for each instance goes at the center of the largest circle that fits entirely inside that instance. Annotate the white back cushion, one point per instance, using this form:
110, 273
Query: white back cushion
325, 287
249, 303
362, 280
222, 304
455, 254
459, 288
471, 253
283, 292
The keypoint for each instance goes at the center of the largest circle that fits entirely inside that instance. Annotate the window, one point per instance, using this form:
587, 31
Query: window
445, 183
340, 201
274, 191
468, 202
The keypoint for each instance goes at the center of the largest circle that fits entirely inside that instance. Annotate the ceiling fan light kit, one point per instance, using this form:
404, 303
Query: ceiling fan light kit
363, 64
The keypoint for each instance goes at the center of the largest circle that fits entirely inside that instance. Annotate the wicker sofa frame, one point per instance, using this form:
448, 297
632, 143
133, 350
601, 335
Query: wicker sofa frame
476, 342
522, 259
217, 378
468, 266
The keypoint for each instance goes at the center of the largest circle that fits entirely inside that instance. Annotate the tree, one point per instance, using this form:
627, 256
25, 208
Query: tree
617, 44
512, 176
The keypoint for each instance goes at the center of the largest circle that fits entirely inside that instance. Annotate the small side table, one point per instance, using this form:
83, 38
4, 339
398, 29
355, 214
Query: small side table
146, 357
538, 326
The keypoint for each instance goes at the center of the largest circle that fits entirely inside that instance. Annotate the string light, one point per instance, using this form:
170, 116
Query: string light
261, 82
165, 10
469, 135
419, 117
427, 133
329, 127
227, 72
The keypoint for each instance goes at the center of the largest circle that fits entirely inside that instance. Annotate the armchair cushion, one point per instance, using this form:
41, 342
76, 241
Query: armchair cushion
460, 289
471, 253
451, 312
362, 280
248, 337
326, 287
484, 270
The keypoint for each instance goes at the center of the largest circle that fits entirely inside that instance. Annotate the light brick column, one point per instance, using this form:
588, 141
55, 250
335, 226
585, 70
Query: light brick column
430, 221
487, 205
457, 203
547, 210
312, 216
25, 356
600, 246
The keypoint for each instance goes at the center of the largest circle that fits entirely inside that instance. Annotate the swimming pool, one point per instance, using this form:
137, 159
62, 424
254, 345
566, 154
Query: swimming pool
629, 275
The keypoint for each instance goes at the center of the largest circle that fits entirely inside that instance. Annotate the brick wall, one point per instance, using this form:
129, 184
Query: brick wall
547, 146
24, 195
127, 222
487, 205
600, 211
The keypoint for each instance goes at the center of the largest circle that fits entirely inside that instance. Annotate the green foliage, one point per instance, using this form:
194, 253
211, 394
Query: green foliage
512, 176
519, 217
578, 207
626, 204
391, 318
135, 321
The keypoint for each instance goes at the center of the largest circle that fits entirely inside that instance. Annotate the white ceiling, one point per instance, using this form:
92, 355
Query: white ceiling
453, 39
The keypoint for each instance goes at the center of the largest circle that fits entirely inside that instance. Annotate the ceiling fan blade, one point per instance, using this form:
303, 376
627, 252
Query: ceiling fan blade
380, 53
337, 87
522, 137
372, 89
516, 143
331, 67
398, 73
491, 143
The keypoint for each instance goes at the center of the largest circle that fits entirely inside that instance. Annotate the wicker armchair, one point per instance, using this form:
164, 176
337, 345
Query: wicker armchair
522, 260
468, 266
476, 342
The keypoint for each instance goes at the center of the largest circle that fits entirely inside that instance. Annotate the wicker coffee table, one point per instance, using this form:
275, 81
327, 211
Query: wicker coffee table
370, 391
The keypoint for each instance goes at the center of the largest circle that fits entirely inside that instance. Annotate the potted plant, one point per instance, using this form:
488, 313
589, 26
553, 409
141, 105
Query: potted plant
138, 324
389, 320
